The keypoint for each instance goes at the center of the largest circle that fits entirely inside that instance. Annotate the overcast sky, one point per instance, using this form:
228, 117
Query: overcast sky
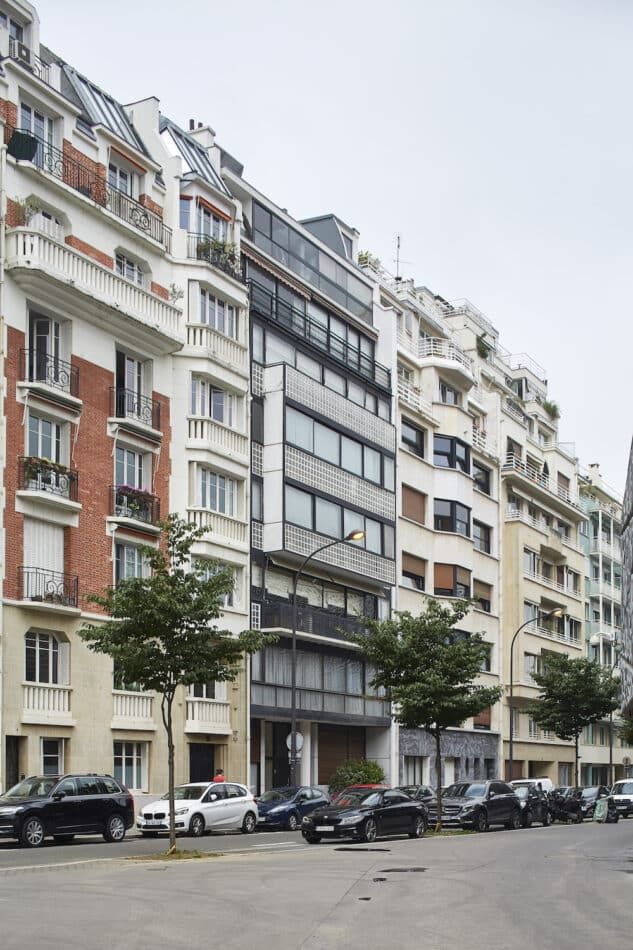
494, 135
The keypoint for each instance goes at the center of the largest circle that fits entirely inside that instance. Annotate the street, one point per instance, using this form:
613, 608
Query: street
562, 887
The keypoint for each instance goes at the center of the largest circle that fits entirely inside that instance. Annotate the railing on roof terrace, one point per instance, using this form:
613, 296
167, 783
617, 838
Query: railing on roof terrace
27, 58
23, 145
203, 247
513, 463
272, 307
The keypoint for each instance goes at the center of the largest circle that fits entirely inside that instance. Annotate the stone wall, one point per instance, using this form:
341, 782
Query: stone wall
470, 750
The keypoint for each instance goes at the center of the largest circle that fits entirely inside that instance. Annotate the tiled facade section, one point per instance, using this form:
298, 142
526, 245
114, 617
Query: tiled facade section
469, 750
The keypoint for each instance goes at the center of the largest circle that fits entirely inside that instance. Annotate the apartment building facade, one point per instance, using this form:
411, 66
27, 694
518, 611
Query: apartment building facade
125, 378
625, 660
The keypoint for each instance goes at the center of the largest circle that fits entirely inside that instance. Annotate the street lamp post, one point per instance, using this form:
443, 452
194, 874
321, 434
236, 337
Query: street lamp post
595, 642
557, 612
352, 536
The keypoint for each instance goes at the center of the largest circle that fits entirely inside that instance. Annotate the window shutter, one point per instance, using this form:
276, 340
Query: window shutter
482, 590
64, 662
413, 565
463, 576
444, 576
43, 545
413, 504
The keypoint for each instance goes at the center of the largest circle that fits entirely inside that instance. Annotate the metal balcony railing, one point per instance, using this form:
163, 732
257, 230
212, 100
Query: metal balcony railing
127, 404
202, 247
27, 58
129, 502
24, 145
43, 368
436, 347
36, 474
53, 587
514, 463
309, 620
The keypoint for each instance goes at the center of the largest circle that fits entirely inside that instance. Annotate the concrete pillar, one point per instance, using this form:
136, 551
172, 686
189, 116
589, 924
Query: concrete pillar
305, 766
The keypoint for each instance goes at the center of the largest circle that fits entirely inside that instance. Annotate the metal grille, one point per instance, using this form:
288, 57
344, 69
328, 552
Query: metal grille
257, 535
257, 458
345, 556
328, 478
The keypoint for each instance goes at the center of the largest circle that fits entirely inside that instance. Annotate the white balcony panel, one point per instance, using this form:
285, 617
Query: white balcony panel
411, 397
221, 528
313, 395
230, 353
208, 434
46, 703
348, 557
209, 716
132, 710
315, 473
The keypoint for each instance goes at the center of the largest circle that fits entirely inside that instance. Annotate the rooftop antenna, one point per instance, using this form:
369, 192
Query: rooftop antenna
397, 260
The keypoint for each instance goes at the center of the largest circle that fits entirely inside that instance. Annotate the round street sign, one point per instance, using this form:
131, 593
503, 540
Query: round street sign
298, 741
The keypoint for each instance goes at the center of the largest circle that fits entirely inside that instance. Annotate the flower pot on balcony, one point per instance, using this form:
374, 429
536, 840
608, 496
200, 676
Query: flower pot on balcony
22, 146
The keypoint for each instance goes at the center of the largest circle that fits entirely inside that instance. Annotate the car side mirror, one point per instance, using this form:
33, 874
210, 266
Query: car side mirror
213, 798
57, 797
492, 795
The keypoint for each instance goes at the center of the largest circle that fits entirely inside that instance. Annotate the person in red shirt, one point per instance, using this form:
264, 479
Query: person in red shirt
219, 776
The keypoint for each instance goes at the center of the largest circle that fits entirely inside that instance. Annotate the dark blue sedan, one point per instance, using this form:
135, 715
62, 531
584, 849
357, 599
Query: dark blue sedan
286, 807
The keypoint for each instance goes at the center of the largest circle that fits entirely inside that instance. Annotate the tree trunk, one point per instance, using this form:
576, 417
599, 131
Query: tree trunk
438, 771
576, 782
166, 710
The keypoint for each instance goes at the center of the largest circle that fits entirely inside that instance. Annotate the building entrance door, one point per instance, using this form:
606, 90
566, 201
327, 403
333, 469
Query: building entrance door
281, 765
12, 759
201, 762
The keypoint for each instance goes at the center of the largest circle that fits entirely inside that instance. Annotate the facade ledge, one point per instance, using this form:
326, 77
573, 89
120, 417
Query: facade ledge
51, 394
208, 716
46, 607
134, 425
49, 505
133, 524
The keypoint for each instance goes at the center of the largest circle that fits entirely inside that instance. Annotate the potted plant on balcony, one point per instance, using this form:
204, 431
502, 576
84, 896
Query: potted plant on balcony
22, 146
133, 502
483, 349
42, 472
551, 408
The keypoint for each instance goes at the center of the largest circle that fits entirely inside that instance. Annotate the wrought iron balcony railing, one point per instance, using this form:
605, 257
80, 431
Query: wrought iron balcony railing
36, 474
23, 145
43, 368
202, 247
53, 587
128, 502
127, 404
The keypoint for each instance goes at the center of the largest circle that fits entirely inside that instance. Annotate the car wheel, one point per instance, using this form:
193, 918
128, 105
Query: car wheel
515, 822
419, 827
481, 822
527, 821
249, 824
370, 830
547, 819
293, 822
196, 826
312, 839
114, 829
63, 839
32, 834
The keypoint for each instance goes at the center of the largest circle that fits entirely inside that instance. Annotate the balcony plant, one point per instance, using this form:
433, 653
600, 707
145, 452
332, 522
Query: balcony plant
483, 349
225, 253
551, 408
42, 469
133, 502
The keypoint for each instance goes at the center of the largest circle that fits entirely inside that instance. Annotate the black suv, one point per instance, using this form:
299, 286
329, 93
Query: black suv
478, 805
64, 806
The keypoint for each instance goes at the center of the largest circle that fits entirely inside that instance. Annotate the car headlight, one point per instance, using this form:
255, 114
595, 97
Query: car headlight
350, 819
181, 811
10, 811
467, 808
277, 809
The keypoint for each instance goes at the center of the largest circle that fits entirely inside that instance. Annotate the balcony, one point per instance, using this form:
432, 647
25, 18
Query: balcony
49, 371
410, 396
23, 145
271, 307
555, 537
482, 442
228, 352
321, 705
208, 434
41, 585
514, 410
208, 716
436, 348
38, 259
42, 475
134, 504
132, 710
46, 704
348, 558
558, 635
553, 584
129, 405
607, 547
322, 623
28, 59
539, 482
220, 254
223, 529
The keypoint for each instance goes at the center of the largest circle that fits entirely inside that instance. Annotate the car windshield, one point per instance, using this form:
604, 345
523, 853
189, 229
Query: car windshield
523, 791
278, 795
358, 797
623, 788
186, 793
465, 790
589, 792
38, 787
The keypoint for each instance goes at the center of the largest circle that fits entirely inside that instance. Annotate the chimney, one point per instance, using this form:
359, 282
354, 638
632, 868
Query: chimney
192, 125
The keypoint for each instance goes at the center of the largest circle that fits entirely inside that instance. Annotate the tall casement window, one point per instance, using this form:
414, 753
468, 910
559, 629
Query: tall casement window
451, 453
52, 756
451, 516
129, 268
481, 537
130, 375
412, 437
451, 581
129, 467
45, 350
212, 403
45, 438
211, 224
217, 492
46, 659
128, 562
40, 125
482, 478
130, 764
208, 569
218, 314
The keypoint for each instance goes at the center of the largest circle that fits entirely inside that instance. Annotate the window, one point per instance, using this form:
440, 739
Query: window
482, 719
217, 492
481, 537
325, 517
130, 764
530, 562
128, 562
451, 581
486, 663
52, 756
351, 456
130, 379
298, 507
121, 177
212, 225
218, 314
482, 593
327, 444
449, 396
451, 453
413, 571
411, 437
328, 518
413, 504
44, 438
185, 206
451, 516
129, 468
45, 351
212, 403
208, 569
415, 769
40, 125
481, 477
45, 659
128, 268
257, 499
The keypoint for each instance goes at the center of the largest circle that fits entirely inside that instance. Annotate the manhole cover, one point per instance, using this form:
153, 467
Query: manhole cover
388, 850
402, 870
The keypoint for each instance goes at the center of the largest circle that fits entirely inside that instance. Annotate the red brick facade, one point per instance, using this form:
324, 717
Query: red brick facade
15, 214
151, 205
84, 174
9, 112
104, 259
159, 290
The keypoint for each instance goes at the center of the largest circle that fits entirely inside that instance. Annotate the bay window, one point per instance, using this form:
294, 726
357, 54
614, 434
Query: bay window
218, 314
212, 403
217, 492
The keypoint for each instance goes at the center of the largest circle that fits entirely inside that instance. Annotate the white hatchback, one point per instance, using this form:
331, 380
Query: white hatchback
200, 807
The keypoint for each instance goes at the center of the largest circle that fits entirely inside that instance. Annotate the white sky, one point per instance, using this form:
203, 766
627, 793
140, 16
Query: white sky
494, 135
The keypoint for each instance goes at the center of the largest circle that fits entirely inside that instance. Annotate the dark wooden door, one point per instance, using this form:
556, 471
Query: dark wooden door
201, 759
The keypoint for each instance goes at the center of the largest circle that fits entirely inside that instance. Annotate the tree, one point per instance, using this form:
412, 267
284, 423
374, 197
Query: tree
428, 672
574, 693
160, 630
625, 730
356, 772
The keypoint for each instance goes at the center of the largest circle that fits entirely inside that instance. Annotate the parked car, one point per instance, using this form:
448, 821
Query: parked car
478, 805
622, 793
565, 804
420, 793
363, 814
534, 805
368, 786
592, 794
64, 806
201, 807
285, 807
543, 783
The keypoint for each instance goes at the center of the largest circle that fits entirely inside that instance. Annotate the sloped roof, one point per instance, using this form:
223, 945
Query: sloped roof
100, 108
194, 155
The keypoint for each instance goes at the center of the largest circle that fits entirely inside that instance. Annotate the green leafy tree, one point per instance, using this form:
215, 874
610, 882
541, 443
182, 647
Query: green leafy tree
574, 693
356, 772
625, 730
160, 630
429, 673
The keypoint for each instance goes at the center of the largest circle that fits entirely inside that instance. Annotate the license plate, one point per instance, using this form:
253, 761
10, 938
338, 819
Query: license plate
325, 828
153, 821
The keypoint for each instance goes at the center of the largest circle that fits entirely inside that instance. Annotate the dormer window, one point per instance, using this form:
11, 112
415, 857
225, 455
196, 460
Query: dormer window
16, 30
211, 224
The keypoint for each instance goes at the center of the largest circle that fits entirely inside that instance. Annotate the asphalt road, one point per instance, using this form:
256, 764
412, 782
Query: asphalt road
559, 888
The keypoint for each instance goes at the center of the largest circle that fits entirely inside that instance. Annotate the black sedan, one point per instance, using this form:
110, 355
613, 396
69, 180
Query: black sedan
565, 804
365, 814
478, 805
420, 793
534, 805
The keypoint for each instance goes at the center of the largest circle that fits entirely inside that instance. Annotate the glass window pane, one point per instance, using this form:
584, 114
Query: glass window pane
351, 455
327, 444
328, 518
373, 536
372, 464
300, 430
298, 507
309, 366
352, 521
334, 381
